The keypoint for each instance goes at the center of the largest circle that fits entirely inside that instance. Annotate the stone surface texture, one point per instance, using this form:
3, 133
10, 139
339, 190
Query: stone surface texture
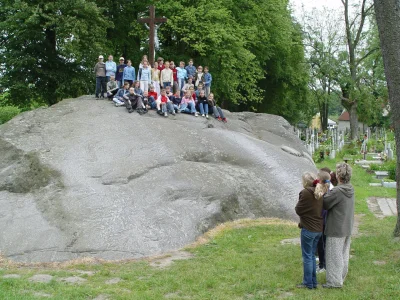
42, 278
86, 179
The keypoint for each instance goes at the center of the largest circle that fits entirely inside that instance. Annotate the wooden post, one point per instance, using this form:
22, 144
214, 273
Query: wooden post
152, 20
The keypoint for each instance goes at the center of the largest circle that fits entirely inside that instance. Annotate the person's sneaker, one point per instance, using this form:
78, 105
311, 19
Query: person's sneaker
165, 114
224, 120
173, 113
203, 115
130, 111
119, 104
178, 111
97, 98
140, 111
206, 116
320, 270
159, 112
219, 119
196, 114
303, 286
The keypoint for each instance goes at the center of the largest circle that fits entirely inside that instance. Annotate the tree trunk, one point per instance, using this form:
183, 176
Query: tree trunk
51, 64
324, 116
388, 20
353, 121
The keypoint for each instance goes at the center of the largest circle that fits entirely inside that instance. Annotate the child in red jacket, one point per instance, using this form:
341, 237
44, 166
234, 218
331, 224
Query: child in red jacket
164, 104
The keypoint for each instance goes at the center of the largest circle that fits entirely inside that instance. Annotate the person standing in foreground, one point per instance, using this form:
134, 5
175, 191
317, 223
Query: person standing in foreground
100, 72
309, 210
339, 202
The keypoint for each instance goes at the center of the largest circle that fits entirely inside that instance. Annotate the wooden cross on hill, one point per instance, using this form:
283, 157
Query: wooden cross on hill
152, 20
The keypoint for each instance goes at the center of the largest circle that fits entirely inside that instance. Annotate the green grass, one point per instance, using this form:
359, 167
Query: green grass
236, 263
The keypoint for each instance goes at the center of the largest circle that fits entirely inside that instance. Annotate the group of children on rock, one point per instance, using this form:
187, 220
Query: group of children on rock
165, 88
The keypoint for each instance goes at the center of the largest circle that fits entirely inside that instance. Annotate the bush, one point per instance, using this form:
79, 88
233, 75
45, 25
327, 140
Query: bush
7, 113
376, 167
391, 168
351, 149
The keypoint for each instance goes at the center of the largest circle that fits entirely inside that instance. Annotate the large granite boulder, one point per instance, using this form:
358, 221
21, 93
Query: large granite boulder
84, 178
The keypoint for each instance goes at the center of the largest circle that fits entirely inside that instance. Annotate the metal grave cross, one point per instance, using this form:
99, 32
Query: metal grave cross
152, 20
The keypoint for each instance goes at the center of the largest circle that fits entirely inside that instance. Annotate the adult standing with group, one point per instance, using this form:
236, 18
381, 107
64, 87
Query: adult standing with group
339, 203
101, 80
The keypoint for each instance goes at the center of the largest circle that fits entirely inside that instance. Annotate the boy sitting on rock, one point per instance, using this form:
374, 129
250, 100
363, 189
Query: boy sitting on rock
112, 87
134, 101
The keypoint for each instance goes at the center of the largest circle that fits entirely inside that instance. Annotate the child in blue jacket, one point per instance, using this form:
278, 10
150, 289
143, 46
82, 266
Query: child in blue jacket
129, 73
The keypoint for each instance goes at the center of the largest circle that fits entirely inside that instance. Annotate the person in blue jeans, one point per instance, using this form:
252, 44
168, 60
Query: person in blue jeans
309, 210
182, 76
216, 110
202, 101
129, 74
190, 69
188, 105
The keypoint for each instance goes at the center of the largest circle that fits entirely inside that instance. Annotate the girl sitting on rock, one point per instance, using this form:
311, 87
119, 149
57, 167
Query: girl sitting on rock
217, 111
188, 105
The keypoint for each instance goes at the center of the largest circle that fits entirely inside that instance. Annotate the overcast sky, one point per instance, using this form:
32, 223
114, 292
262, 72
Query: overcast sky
309, 4
297, 5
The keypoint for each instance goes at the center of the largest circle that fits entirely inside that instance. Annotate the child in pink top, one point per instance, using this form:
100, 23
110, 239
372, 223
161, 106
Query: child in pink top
188, 105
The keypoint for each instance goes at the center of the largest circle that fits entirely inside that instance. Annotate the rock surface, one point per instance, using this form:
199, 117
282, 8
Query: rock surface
86, 179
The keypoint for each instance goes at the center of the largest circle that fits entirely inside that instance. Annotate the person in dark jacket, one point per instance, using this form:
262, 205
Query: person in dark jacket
339, 202
134, 100
309, 210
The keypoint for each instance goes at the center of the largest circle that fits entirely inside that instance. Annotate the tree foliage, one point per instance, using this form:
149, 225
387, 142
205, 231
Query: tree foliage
344, 58
254, 50
49, 48
323, 42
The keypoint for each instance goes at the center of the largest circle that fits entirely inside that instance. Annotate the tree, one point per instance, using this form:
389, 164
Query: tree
355, 33
126, 37
323, 42
49, 48
373, 88
388, 20
254, 49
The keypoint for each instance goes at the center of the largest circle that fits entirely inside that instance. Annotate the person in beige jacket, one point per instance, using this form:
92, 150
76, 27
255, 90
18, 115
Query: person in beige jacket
167, 76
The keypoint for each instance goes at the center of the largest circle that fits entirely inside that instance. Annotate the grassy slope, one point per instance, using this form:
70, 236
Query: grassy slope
237, 263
